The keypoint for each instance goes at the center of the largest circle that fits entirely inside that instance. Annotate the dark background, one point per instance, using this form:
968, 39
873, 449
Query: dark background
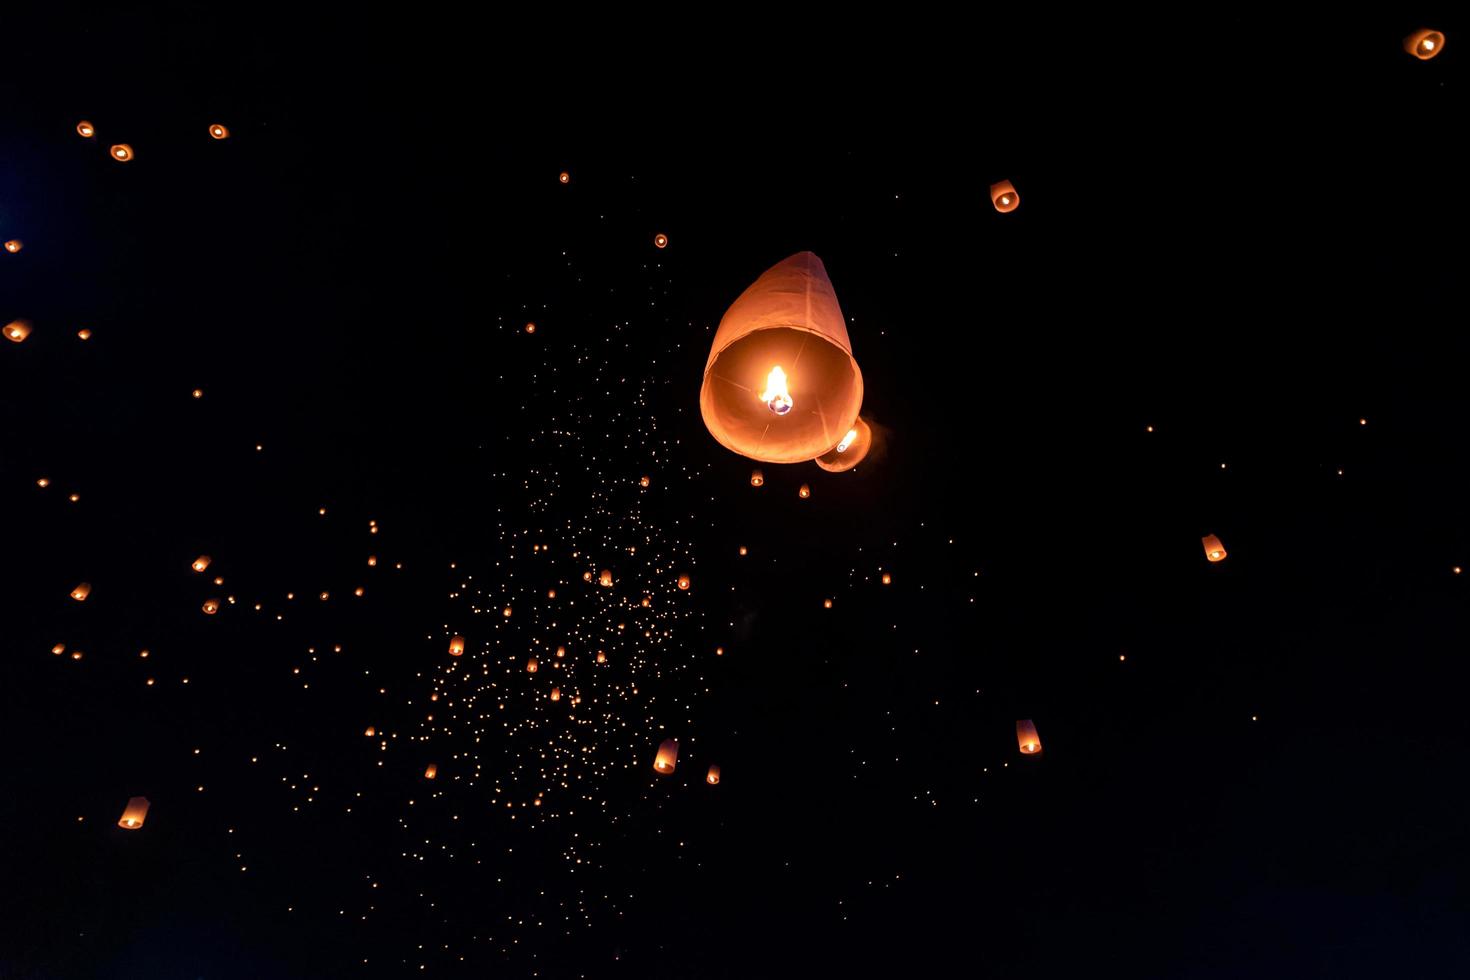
1243, 232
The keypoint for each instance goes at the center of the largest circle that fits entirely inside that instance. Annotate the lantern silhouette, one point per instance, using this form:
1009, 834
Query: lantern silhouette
134, 813
1214, 550
713, 776
17, 330
456, 646
200, 564
14, 245
531, 665
668, 754
1424, 44
431, 772
850, 451
661, 240
556, 694
219, 132
121, 152
86, 129
757, 478
81, 592
1003, 195
604, 579
1027, 738
684, 583
781, 385
210, 607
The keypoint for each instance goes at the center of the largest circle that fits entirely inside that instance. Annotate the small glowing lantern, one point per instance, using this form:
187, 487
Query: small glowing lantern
371, 731
643, 481
530, 328
713, 776
14, 245
826, 603
59, 649
561, 651
565, 177
684, 583
532, 665
804, 492
887, 579
556, 694
210, 607
586, 576
134, 813
668, 754
744, 551
850, 451
645, 602
1003, 195
84, 334
431, 772
1424, 44
601, 657
506, 612
456, 646
551, 593
200, 564
219, 132
86, 129
81, 592
372, 561
17, 330
1027, 738
661, 240
604, 579
122, 152
1214, 550
757, 478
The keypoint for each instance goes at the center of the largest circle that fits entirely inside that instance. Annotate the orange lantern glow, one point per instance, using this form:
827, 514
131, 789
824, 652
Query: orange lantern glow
661, 240
556, 694
565, 177
59, 649
684, 583
532, 665
744, 551
561, 651
81, 592
200, 564
643, 481
1214, 550
371, 731
781, 385
530, 328
86, 129
506, 612
551, 593
826, 603
1027, 738
17, 330
210, 607
456, 646
713, 776
134, 813
1424, 44
668, 754
14, 245
757, 478
372, 561
887, 579
121, 152
431, 772
1003, 195
219, 132
804, 491
84, 334
850, 451
604, 579
601, 657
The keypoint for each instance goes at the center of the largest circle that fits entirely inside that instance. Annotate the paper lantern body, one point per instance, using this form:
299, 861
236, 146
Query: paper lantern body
456, 647
757, 478
121, 152
81, 592
850, 451
1214, 550
668, 755
14, 245
431, 772
1003, 195
86, 129
219, 132
1424, 44
134, 813
532, 666
713, 776
17, 331
1027, 738
201, 563
788, 318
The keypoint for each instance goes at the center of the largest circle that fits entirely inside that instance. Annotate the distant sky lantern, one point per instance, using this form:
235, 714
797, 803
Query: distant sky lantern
556, 694
456, 646
17, 330
14, 245
713, 776
668, 755
804, 491
551, 593
661, 240
371, 731
59, 649
372, 561
781, 385
565, 177
84, 334
531, 665
81, 592
210, 607
530, 328
887, 579
757, 478
744, 551
850, 451
586, 576
1003, 195
561, 651
684, 583
601, 657
201, 563
506, 612
1027, 738
1214, 550
826, 603
643, 481
134, 813
121, 152
86, 129
604, 579
431, 772
1424, 44
219, 132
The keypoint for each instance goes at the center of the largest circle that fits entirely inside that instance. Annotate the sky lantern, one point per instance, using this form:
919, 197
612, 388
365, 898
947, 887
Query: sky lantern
431, 772
1026, 737
1424, 44
604, 579
757, 478
643, 481
134, 813
601, 657
17, 330
804, 491
684, 583
371, 731
84, 334
661, 240
456, 646
531, 665
887, 578
565, 177
59, 649
121, 152
1214, 550
506, 612
81, 592
556, 694
219, 132
1003, 195
668, 754
86, 129
200, 564
561, 652
850, 451
530, 328
826, 603
14, 245
781, 385
210, 607
713, 776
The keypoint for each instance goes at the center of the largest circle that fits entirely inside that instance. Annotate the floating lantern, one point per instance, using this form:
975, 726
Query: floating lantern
1214, 550
781, 385
643, 481
219, 132
14, 245
81, 592
804, 491
645, 602
531, 665
556, 694
86, 129
661, 240
757, 478
134, 813
530, 328
59, 649
887, 579
505, 612
561, 651
713, 776
76, 655
826, 603
210, 607
200, 564
684, 583
456, 646
565, 177
850, 451
604, 579
1003, 195
84, 334
43, 483
1424, 44
371, 731
121, 152
372, 561
17, 330
601, 657
431, 772
551, 593
744, 551
668, 754
1027, 738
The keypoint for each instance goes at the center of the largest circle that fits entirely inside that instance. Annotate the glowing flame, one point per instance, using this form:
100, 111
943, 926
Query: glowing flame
776, 397
847, 440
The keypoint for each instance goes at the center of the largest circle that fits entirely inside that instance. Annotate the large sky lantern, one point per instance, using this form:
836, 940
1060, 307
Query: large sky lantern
81, 592
850, 451
14, 245
432, 772
532, 666
86, 129
1026, 737
668, 754
17, 330
134, 813
713, 776
1424, 44
1214, 550
121, 152
1003, 195
604, 579
219, 132
781, 384
456, 646
200, 564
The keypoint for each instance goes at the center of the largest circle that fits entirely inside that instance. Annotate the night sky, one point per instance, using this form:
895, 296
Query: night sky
1230, 303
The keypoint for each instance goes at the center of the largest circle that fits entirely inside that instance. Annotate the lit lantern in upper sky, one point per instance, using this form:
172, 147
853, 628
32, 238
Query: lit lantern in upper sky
604, 579
14, 245
134, 813
200, 564
668, 754
1424, 44
1214, 550
456, 646
781, 385
804, 491
1027, 738
1003, 195
17, 331
684, 583
219, 132
556, 694
757, 478
850, 451
431, 772
643, 481
210, 607
601, 657
565, 177
532, 665
121, 152
81, 592
661, 240
86, 129
530, 328
713, 776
